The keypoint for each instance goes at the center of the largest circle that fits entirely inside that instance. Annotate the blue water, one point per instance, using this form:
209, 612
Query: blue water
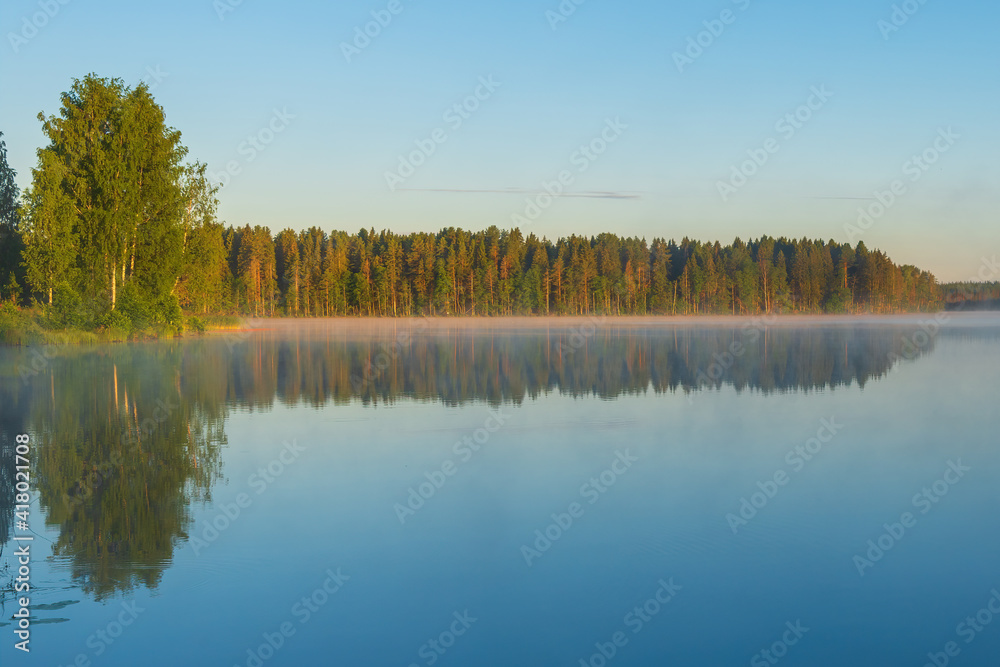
315, 539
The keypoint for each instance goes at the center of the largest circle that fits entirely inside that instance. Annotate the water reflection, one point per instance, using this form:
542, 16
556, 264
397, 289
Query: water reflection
121, 445
127, 437
467, 365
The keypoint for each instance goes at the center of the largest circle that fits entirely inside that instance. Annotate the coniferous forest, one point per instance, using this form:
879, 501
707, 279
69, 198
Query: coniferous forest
118, 230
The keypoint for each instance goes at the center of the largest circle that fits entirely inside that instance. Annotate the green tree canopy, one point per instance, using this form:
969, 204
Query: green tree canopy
106, 209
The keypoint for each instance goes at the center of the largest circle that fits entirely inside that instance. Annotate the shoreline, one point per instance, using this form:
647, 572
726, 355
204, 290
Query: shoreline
355, 325
529, 322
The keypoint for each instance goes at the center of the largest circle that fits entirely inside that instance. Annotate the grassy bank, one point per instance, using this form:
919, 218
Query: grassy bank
212, 323
36, 326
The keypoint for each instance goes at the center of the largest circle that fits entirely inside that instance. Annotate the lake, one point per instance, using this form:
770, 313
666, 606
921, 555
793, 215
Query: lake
516, 492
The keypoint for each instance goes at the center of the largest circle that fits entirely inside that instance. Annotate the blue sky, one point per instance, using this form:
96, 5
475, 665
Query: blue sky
223, 75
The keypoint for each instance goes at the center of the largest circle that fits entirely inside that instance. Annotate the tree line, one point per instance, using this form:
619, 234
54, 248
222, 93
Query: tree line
503, 272
117, 230
970, 295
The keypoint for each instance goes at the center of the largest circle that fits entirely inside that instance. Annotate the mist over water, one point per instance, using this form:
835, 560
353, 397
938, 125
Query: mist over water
512, 492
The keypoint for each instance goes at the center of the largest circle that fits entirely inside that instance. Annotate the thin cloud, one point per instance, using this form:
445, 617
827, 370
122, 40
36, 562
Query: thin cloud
852, 198
587, 194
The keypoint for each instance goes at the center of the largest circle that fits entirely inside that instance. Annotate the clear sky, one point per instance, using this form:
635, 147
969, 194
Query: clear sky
225, 72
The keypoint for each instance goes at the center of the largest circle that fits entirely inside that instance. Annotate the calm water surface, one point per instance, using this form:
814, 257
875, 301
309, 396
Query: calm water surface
417, 494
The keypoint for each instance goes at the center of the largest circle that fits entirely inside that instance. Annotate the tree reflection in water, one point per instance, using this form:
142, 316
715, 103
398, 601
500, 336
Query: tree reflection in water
127, 437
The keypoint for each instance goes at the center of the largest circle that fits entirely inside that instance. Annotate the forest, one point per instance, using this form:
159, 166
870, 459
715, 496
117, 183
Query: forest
969, 295
118, 231
502, 272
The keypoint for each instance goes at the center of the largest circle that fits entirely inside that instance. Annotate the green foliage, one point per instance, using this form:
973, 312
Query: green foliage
838, 301
17, 327
136, 313
11, 241
972, 295
495, 272
204, 277
104, 209
9, 209
12, 292
196, 324
116, 324
134, 308
169, 315
67, 310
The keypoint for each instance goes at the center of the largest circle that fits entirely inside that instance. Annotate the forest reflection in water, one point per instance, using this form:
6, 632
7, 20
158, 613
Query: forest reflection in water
127, 437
